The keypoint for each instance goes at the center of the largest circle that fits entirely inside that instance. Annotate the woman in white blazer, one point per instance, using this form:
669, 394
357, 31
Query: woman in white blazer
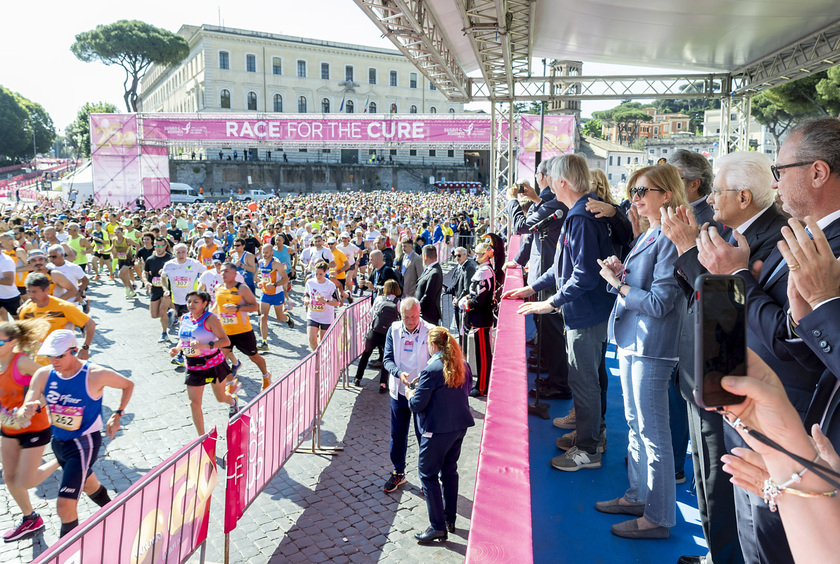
645, 325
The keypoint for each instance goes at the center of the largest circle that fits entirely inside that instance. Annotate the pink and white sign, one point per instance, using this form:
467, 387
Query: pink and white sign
558, 139
162, 518
115, 156
322, 129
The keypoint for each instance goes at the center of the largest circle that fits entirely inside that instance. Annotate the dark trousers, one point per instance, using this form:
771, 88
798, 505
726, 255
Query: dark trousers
373, 341
401, 418
438, 464
553, 350
480, 339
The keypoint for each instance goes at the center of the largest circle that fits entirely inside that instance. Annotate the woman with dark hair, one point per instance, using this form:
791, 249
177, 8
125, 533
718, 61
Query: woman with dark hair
200, 339
440, 399
384, 311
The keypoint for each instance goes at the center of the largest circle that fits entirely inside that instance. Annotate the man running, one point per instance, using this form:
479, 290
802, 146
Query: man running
158, 302
123, 250
180, 277
73, 393
74, 274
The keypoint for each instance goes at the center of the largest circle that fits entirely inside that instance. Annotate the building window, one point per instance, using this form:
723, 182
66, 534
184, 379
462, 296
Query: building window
413, 110
664, 151
251, 63
302, 105
252, 101
432, 153
611, 160
301, 69
302, 150
450, 153
433, 110
656, 131
225, 99
349, 107
348, 73
393, 78
224, 60
679, 125
371, 151
276, 66
278, 103
432, 86
451, 110
393, 108
372, 108
371, 76
325, 71
412, 152
325, 150
651, 151
393, 152
325, 106
412, 80
618, 160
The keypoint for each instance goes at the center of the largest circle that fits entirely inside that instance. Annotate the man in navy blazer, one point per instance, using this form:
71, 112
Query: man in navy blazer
742, 199
430, 286
807, 175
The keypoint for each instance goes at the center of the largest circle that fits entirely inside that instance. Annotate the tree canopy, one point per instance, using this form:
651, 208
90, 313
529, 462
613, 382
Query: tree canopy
18, 117
627, 116
592, 128
78, 132
133, 45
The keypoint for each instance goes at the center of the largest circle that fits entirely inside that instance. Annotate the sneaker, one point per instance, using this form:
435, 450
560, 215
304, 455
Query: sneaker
130, 294
567, 442
111, 276
567, 422
24, 528
357, 382
232, 388
575, 459
263, 346
234, 409
290, 322
394, 481
234, 369
266, 381
178, 360
350, 299
679, 477
163, 337
95, 278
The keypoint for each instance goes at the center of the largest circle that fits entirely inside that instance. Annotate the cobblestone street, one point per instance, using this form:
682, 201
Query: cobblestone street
318, 508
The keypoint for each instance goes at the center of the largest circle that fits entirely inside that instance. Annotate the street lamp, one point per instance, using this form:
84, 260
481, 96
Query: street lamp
34, 150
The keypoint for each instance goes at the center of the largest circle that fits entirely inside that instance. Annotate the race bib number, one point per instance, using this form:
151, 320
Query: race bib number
122, 256
67, 417
156, 281
408, 346
266, 278
208, 262
229, 318
186, 348
182, 281
7, 418
317, 306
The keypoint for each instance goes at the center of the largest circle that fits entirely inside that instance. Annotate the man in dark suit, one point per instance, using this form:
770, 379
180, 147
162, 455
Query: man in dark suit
807, 179
742, 199
551, 342
461, 279
697, 175
430, 286
411, 267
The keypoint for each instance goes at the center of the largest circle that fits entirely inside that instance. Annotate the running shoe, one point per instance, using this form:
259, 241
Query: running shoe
27, 526
95, 278
232, 388
266, 381
86, 305
111, 276
235, 368
130, 294
350, 299
289, 321
263, 346
394, 481
163, 337
178, 360
234, 409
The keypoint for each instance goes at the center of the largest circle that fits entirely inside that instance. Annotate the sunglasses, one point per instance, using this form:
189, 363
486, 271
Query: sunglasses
62, 355
4, 341
640, 191
238, 245
160, 246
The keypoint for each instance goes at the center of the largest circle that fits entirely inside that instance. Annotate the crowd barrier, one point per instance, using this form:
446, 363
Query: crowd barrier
502, 497
163, 518
275, 424
24, 194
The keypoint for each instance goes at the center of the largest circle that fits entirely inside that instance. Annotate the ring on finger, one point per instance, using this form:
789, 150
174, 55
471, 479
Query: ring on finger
793, 267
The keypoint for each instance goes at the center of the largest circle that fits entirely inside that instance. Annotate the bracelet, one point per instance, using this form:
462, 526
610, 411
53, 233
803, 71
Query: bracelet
792, 325
118, 412
772, 490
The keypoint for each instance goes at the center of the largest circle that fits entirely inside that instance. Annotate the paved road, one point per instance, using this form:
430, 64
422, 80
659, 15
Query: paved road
317, 508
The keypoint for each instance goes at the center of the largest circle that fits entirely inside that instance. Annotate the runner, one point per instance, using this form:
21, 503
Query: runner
233, 303
320, 298
273, 280
78, 243
180, 277
352, 252
339, 273
9, 294
364, 258
122, 249
245, 261
101, 253
37, 262
315, 254
199, 339
143, 254
18, 256
74, 274
207, 248
23, 442
158, 302
74, 399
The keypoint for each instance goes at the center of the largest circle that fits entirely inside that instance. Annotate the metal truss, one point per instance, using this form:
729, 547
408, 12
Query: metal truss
734, 134
501, 33
412, 28
813, 53
502, 145
671, 86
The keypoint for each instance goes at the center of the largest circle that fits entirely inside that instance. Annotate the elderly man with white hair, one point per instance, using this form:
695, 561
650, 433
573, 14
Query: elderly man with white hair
742, 199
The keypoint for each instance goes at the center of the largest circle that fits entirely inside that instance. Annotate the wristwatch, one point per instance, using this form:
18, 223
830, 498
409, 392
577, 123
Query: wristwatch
118, 412
85, 347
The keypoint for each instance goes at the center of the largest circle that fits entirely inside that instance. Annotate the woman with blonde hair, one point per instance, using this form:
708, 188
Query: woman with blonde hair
440, 398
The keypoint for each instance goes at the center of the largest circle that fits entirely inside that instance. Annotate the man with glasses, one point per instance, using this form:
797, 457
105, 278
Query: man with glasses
807, 176
697, 176
73, 393
152, 278
180, 277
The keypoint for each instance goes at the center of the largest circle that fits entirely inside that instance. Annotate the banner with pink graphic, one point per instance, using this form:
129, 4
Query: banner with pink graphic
161, 518
558, 139
302, 129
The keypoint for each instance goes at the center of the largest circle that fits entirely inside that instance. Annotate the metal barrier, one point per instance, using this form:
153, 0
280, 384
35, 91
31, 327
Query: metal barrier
163, 518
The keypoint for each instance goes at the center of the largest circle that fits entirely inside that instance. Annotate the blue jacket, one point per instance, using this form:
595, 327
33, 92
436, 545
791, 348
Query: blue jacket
580, 290
648, 321
439, 408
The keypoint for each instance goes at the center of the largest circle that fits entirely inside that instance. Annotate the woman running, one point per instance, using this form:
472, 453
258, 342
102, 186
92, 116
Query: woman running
200, 339
21, 445
320, 298
272, 281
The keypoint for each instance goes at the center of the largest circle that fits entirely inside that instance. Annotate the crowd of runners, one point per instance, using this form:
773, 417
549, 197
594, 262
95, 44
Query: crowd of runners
209, 273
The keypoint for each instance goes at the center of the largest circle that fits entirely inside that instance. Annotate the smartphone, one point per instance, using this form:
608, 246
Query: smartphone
720, 344
521, 189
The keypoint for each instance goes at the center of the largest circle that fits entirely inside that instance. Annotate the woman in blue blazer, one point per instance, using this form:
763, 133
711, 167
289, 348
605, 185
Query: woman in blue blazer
645, 325
441, 402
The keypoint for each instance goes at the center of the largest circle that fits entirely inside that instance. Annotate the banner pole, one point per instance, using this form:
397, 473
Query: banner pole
203, 553
227, 548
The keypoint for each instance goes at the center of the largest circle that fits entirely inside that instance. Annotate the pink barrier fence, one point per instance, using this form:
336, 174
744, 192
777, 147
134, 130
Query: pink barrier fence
163, 518
267, 431
25, 194
502, 499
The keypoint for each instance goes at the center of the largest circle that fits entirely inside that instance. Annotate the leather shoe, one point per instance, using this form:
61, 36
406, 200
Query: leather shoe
550, 393
450, 527
475, 393
692, 560
614, 507
533, 368
430, 535
630, 530
532, 342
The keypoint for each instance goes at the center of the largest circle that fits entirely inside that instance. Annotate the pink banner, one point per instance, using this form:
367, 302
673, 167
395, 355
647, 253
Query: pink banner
322, 129
558, 139
115, 155
163, 518
503, 463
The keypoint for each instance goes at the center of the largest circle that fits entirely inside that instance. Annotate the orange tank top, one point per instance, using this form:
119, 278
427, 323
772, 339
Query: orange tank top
12, 383
20, 277
205, 255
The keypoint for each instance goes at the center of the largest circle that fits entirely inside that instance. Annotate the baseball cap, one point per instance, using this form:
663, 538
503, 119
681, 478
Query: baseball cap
219, 256
345, 234
36, 253
58, 342
331, 240
126, 222
209, 234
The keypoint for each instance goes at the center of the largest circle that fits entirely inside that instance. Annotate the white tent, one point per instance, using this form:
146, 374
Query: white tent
80, 181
